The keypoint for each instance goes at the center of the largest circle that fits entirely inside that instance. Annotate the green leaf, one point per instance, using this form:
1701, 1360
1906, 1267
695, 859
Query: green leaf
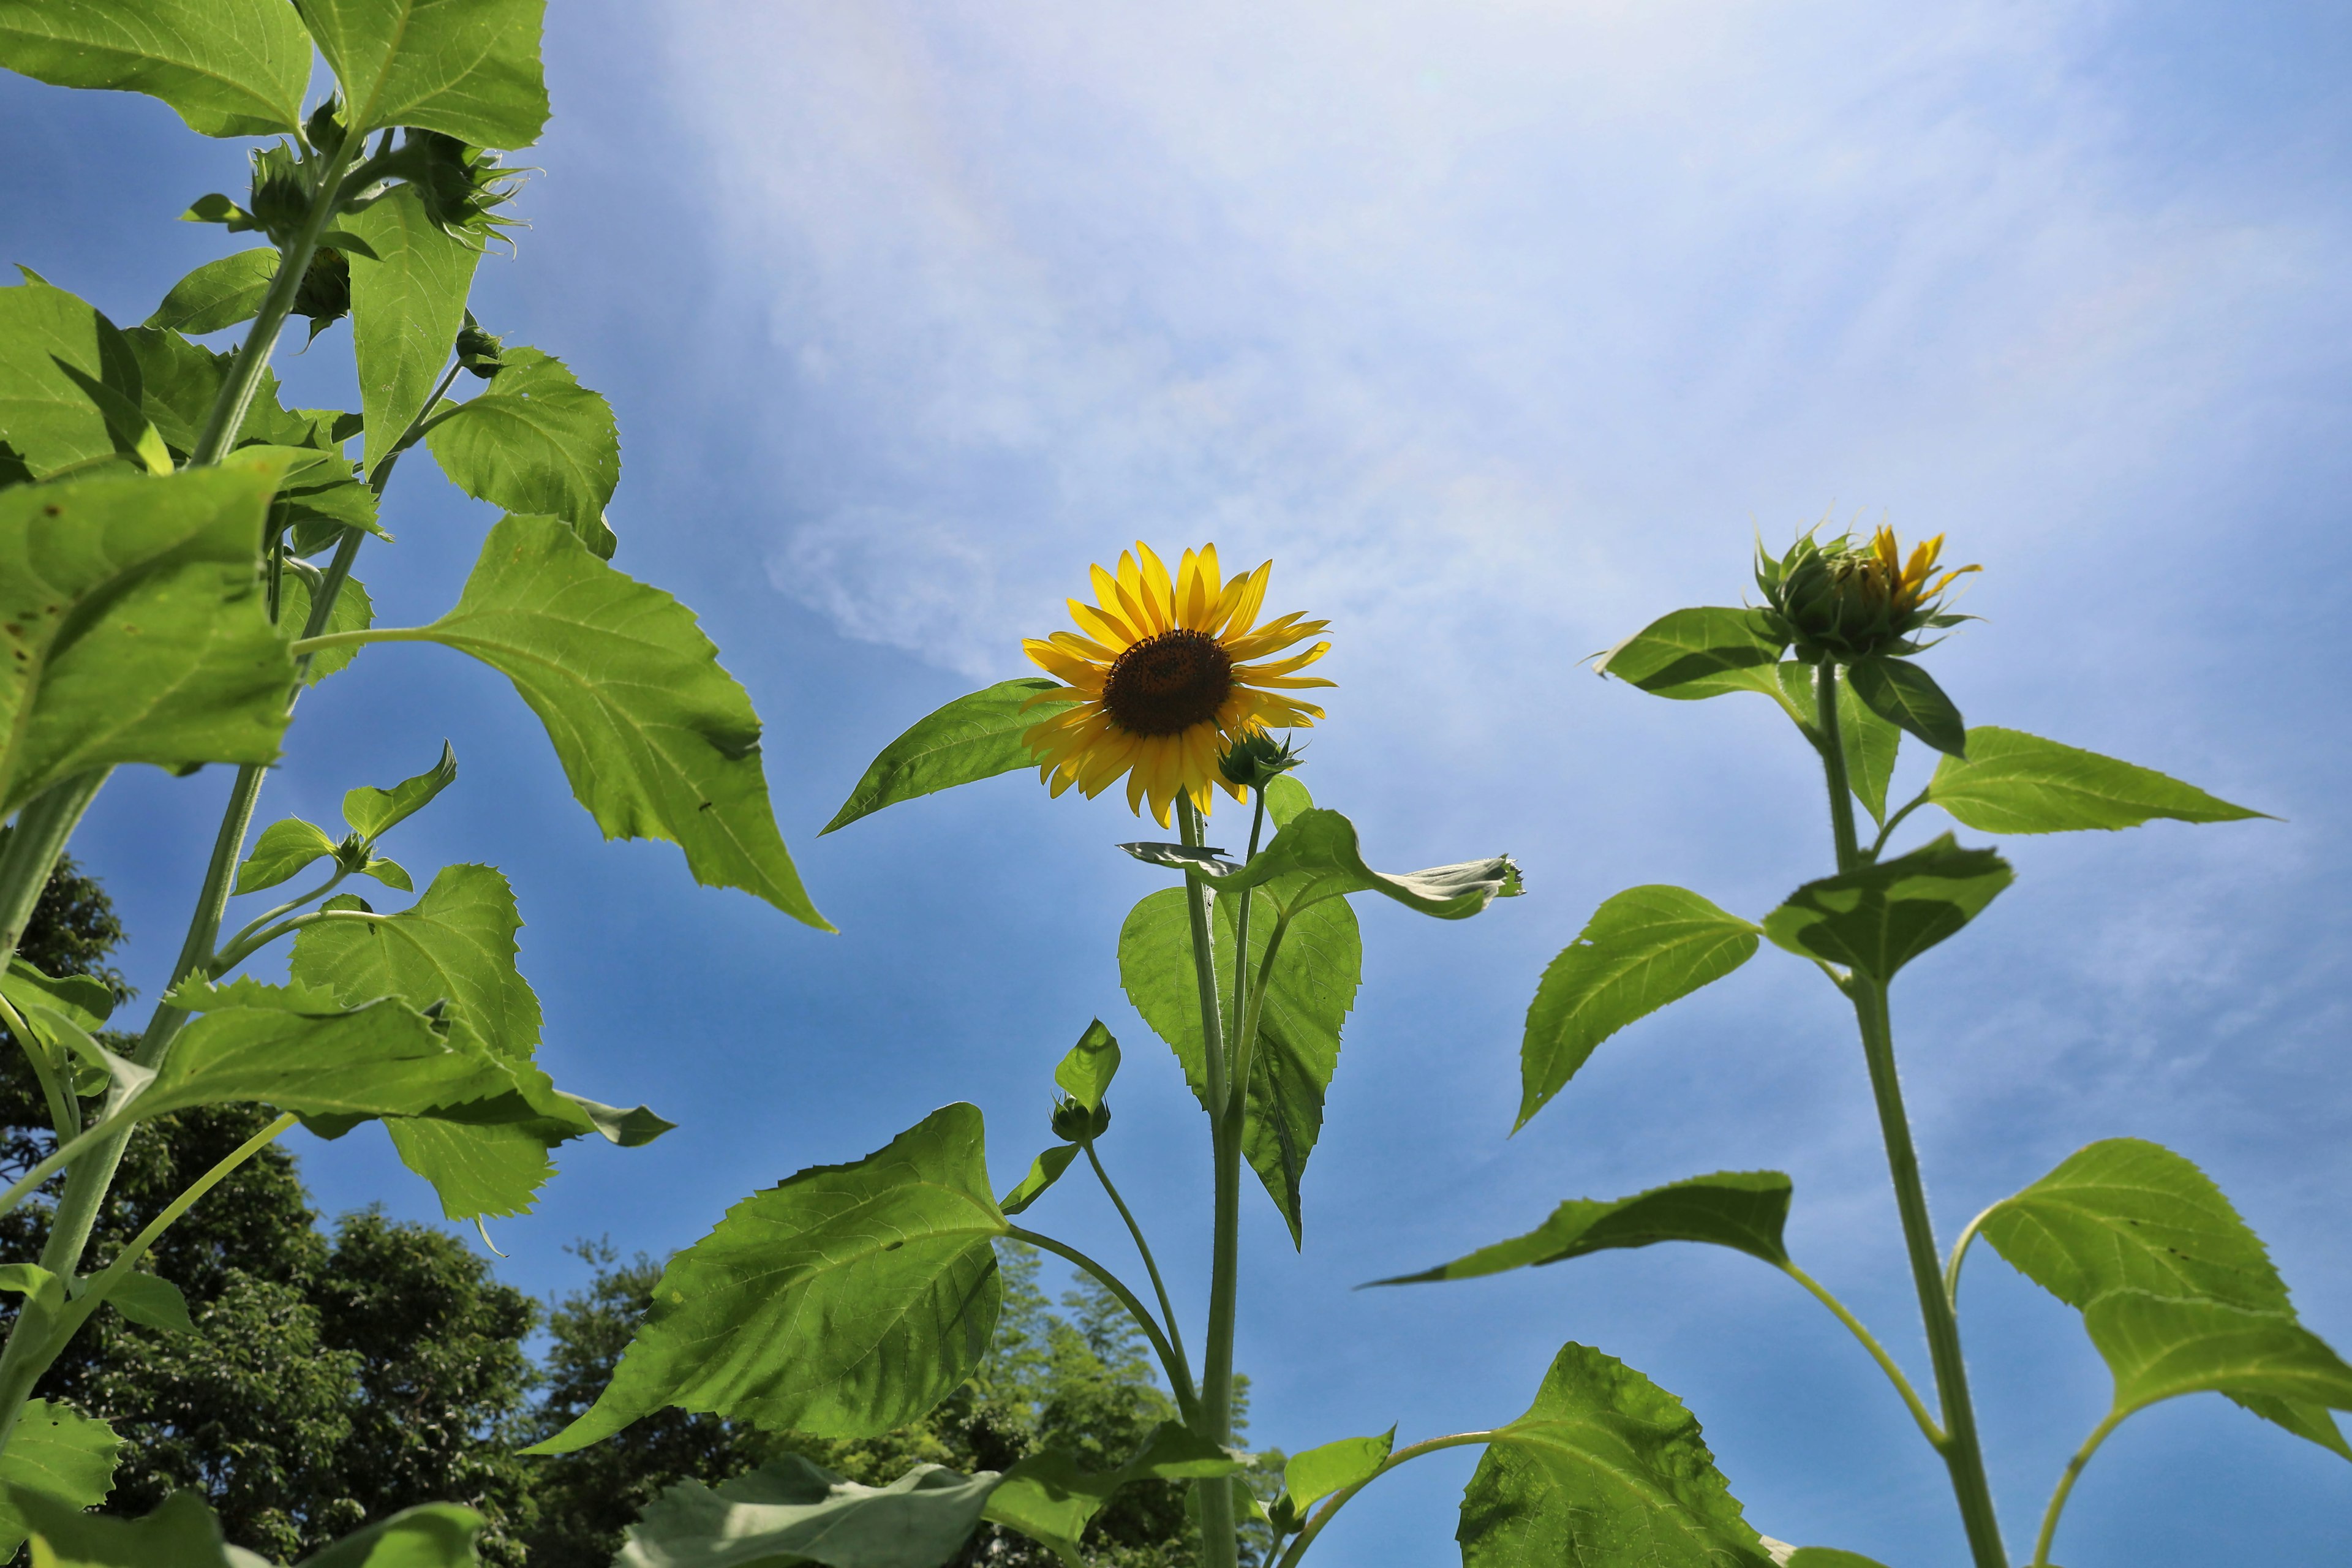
657, 740
2161, 1347
477, 1171
293, 1047
353, 612
371, 813
2127, 1214
1642, 949
1692, 654
135, 626
407, 308
430, 1535
1879, 918
1828, 1557
84, 998
536, 441
181, 1533
57, 1459
151, 1300
1605, 1467
1870, 744
1286, 797
843, 1301
2015, 782
1047, 1498
69, 384
1743, 1210
1309, 1478
1316, 856
974, 737
284, 848
467, 68
1044, 1172
231, 68
34, 1283
1906, 695
790, 1510
1085, 1074
220, 293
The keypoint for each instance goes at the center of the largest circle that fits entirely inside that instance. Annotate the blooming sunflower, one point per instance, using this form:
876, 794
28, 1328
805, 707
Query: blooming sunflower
1163, 684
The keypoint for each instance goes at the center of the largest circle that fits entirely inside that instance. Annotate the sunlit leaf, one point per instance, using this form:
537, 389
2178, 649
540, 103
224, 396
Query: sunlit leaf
974, 737
84, 998
2015, 782
1049, 1498
353, 611
1870, 744
1309, 1478
231, 68
1691, 654
467, 68
1903, 694
371, 813
430, 1535
58, 1456
1085, 1073
284, 848
534, 441
2161, 1347
152, 1302
1642, 949
69, 384
1743, 1210
843, 1301
1317, 856
407, 308
1044, 1172
220, 293
790, 1510
1879, 918
1605, 1468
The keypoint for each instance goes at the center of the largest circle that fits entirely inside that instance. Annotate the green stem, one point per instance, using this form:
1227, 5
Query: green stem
1338, 1499
1878, 845
33, 846
229, 957
1886, 1363
2066, 1486
1143, 1247
1242, 916
1962, 1451
65, 1110
288, 907
1179, 1379
1959, 1254
1220, 1545
303, 647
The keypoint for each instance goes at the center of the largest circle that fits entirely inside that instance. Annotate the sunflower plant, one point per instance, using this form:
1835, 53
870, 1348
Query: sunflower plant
178, 555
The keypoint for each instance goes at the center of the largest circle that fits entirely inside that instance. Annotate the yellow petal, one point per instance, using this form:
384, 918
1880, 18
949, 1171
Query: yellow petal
1103, 625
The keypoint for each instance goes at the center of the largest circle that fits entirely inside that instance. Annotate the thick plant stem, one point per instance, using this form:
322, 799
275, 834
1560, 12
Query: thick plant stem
1220, 1545
1963, 1453
43, 826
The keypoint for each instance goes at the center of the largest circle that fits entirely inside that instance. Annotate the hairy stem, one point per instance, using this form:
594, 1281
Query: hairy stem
1220, 1545
1886, 1363
2066, 1486
1338, 1499
1143, 1248
1179, 1380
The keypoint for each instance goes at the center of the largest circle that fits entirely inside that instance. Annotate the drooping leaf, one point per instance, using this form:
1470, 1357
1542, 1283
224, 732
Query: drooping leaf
790, 1510
1903, 694
353, 611
230, 67
55, 1456
467, 68
136, 628
371, 813
1044, 1172
974, 737
1696, 653
152, 1301
84, 998
430, 1535
1049, 1498
1310, 1477
2015, 782
1317, 856
1879, 918
1743, 1210
284, 848
218, 294
657, 740
477, 1171
1870, 744
69, 384
2161, 1347
843, 1301
536, 441
2124, 1213
407, 308
1085, 1073
1642, 949
1605, 1468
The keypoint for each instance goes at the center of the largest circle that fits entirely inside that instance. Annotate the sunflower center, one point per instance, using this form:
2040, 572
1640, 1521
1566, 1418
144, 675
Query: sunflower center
1169, 682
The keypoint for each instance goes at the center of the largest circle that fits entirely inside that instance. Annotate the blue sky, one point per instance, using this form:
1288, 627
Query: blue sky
1500, 328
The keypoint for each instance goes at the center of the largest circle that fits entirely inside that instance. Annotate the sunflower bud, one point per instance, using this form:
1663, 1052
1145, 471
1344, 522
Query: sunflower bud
1074, 1123
325, 294
478, 351
281, 195
1256, 760
1844, 599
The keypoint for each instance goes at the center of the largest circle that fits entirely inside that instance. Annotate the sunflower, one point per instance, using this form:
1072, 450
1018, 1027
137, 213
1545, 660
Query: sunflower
1161, 674
1848, 599
1884, 576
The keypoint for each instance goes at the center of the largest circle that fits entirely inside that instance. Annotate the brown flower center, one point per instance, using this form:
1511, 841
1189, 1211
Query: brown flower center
1167, 682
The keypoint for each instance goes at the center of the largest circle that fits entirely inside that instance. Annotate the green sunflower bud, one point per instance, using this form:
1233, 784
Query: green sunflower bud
1256, 760
325, 294
1074, 1123
478, 351
1844, 599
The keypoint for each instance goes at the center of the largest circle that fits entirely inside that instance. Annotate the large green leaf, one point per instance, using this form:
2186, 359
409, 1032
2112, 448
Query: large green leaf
1312, 989
1317, 856
1604, 1468
407, 308
843, 1301
2012, 782
791, 1511
2127, 1214
657, 740
220, 293
534, 441
1696, 653
137, 629
1879, 918
1870, 744
974, 737
1642, 948
57, 1455
231, 68
181, 1533
1047, 1498
69, 384
467, 68
2161, 1347
1903, 694
1743, 1210
430, 1535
